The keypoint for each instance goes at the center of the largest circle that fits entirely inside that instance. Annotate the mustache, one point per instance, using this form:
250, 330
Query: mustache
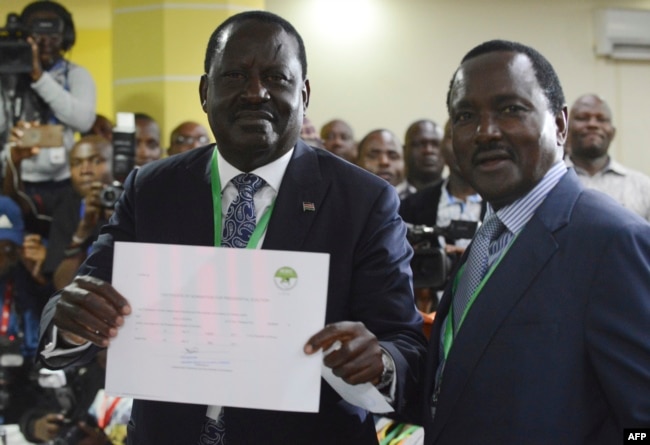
261, 109
491, 150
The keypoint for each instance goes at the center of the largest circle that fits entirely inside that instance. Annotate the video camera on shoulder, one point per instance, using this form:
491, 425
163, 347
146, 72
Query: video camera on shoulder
430, 264
15, 51
123, 158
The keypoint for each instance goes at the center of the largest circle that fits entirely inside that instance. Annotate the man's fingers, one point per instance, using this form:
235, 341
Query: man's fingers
91, 309
357, 355
325, 338
107, 291
81, 323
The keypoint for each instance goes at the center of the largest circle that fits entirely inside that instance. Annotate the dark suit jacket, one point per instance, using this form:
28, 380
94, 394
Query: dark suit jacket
355, 221
556, 348
421, 208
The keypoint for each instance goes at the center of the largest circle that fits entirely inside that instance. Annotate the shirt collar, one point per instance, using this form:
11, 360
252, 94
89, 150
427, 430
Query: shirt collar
272, 173
611, 166
515, 216
475, 198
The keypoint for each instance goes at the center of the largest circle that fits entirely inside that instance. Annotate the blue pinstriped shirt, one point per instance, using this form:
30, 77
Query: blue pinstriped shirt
515, 216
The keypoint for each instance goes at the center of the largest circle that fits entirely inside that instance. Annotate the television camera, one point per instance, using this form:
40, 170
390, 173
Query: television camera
15, 51
431, 265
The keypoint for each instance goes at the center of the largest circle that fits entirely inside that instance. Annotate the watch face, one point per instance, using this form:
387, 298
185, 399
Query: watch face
389, 370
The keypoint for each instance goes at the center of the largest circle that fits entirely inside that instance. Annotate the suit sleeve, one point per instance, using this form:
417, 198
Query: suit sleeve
617, 334
99, 264
382, 296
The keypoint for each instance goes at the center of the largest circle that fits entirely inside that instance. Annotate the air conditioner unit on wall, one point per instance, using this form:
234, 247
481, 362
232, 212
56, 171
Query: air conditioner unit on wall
622, 33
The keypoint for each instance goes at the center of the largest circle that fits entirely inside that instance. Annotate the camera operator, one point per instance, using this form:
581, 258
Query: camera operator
75, 410
80, 212
451, 199
55, 92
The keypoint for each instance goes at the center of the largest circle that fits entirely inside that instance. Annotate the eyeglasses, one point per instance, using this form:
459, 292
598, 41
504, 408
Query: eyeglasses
190, 140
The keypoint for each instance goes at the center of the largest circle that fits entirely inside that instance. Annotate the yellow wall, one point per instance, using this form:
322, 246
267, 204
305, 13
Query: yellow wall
158, 52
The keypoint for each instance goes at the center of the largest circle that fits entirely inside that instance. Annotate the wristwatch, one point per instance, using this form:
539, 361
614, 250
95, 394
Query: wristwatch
389, 370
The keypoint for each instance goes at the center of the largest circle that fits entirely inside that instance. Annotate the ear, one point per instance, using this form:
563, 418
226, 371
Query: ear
203, 92
306, 91
561, 124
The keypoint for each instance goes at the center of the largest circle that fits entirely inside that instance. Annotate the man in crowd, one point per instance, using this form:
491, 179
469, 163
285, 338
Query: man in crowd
80, 213
186, 136
23, 293
103, 127
380, 152
338, 138
55, 92
320, 204
147, 139
309, 134
590, 134
424, 161
543, 336
451, 199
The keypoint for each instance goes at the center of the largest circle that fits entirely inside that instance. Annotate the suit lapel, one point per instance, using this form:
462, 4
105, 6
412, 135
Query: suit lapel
200, 226
198, 167
528, 255
299, 201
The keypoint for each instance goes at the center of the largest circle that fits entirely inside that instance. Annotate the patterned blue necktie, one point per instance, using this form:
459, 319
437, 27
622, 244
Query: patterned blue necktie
476, 265
214, 431
238, 226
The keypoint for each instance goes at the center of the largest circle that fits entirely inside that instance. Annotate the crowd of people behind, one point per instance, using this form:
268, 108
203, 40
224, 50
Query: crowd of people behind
56, 164
433, 199
53, 206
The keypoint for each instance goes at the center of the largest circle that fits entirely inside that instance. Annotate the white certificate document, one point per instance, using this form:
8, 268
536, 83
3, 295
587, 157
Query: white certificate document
218, 326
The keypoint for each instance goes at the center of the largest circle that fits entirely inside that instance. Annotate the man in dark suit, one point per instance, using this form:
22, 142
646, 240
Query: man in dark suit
553, 345
437, 205
255, 92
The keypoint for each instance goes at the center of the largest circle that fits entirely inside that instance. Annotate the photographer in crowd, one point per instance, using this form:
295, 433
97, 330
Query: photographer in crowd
74, 409
23, 294
55, 94
80, 213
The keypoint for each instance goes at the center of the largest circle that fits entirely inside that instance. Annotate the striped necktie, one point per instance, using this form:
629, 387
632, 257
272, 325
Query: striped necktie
476, 266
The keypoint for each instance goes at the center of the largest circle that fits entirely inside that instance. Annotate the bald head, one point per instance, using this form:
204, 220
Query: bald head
590, 128
186, 136
380, 152
338, 138
422, 152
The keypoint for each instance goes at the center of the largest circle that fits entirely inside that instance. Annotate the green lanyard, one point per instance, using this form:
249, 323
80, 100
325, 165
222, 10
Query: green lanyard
260, 228
448, 339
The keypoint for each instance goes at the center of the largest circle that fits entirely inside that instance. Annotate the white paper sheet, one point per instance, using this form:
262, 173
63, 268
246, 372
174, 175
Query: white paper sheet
365, 395
218, 326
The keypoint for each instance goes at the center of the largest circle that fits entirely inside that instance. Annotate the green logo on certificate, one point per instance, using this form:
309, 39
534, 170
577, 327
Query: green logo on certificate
285, 278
